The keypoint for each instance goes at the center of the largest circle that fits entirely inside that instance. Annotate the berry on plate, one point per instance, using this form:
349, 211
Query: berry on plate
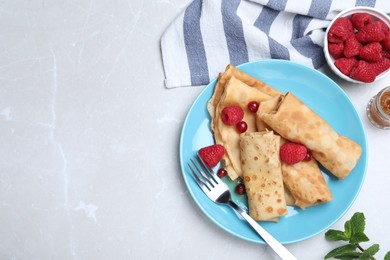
291, 153
308, 156
241, 127
221, 172
253, 106
240, 189
211, 155
231, 115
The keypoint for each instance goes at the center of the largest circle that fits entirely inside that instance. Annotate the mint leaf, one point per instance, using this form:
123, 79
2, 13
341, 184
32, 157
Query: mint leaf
339, 251
358, 238
372, 250
358, 223
348, 229
354, 234
335, 235
348, 256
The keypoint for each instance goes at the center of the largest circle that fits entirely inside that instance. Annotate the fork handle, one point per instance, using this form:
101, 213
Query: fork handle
279, 249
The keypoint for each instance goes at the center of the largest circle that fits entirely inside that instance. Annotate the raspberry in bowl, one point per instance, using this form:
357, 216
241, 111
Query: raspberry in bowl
357, 44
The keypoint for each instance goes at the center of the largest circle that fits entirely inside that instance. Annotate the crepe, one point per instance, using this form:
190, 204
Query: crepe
304, 183
240, 94
242, 88
296, 122
262, 175
265, 107
290, 201
223, 78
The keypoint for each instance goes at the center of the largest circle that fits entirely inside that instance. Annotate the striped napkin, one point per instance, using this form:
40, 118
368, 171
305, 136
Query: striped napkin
210, 34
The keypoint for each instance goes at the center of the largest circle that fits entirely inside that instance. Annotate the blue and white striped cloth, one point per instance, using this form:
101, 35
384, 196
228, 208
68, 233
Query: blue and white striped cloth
210, 34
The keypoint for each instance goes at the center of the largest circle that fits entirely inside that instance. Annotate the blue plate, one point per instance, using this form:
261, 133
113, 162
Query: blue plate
323, 96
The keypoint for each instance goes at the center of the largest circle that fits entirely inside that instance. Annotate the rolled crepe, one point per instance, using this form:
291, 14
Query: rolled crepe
304, 183
296, 122
262, 175
240, 94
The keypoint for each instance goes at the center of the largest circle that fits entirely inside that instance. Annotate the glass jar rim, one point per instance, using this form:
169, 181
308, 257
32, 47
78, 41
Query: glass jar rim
378, 102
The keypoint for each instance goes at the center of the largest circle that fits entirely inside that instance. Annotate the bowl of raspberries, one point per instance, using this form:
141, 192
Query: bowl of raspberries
357, 44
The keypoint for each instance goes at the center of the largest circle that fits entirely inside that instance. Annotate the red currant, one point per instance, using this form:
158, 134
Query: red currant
221, 173
308, 156
240, 189
253, 106
242, 126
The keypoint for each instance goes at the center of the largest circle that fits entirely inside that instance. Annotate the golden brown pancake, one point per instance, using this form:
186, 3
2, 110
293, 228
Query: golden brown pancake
235, 93
296, 122
262, 175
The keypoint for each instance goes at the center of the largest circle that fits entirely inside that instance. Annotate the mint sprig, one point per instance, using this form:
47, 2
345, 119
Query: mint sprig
353, 234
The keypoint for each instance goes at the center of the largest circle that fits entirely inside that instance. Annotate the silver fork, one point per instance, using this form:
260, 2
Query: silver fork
219, 192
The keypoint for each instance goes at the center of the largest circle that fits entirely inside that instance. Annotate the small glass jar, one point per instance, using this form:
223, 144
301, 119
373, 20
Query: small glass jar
378, 109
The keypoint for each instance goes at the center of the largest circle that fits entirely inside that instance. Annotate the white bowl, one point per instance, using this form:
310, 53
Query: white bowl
376, 14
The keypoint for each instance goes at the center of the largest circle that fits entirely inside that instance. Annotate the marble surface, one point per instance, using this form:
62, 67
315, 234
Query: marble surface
89, 165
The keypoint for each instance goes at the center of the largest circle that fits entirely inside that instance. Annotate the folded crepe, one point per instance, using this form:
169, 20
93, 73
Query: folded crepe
296, 122
223, 78
262, 175
265, 107
240, 94
290, 201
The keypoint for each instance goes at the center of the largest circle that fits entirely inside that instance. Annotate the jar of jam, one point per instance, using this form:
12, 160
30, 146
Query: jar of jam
378, 109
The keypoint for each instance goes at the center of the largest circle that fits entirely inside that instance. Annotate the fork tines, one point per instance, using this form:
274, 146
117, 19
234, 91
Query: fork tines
205, 177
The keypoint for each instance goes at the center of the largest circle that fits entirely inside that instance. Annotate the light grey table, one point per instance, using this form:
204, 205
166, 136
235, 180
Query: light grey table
89, 163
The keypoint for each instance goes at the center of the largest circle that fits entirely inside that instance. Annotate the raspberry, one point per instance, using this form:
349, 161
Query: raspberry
341, 29
386, 41
371, 52
384, 26
362, 55
231, 115
211, 155
380, 66
360, 20
371, 33
291, 153
385, 53
336, 50
345, 65
363, 72
352, 47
